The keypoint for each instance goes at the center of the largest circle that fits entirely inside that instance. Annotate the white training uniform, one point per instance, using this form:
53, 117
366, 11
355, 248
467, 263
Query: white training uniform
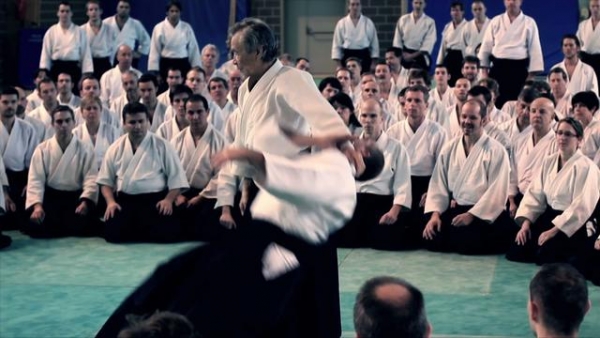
451, 39
583, 79
563, 106
218, 116
511, 129
498, 116
348, 36
196, 158
17, 147
446, 100
71, 170
104, 43
472, 36
168, 130
133, 31
454, 128
394, 179
154, 167
229, 131
573, 189
33, 101
111, 85
69, 45
164, 98
40, 128
106, 116
480, 179
419, 35
589, 37
3, 183
517, 40
41, 114
590, 146
499, 135
173, 42
423, 145
74, 101
105, 136
527, 158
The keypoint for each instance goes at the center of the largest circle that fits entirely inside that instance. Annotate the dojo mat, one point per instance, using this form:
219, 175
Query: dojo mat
68, 287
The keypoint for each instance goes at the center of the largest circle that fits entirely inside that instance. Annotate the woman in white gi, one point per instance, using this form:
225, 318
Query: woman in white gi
342, 103
377, 221
585, 105
61, 188
559, 201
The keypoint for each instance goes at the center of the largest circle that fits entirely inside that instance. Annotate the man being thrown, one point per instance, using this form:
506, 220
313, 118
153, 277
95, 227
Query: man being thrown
140, 178
468, 191
61, 189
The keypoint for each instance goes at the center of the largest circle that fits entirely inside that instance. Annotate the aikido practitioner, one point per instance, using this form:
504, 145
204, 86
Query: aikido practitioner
140, 178
530, 150
171, 127
468, 191
65, 47
173, 44
102, 38
559, 201
589, 37
378, 221
18, 140
452, 46
415, 35
585, 106
265, 269
355, 35
511, 45
61, 187
196, 145
47, 92
5, 204
423, 140
147, 88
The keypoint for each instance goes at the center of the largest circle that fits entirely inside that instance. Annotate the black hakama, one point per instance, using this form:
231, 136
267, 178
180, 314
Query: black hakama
478, 238
511, 76
453, 62
220, 288
559, 248
60, 218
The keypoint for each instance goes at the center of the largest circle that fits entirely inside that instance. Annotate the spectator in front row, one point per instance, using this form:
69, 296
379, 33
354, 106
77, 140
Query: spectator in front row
390, 307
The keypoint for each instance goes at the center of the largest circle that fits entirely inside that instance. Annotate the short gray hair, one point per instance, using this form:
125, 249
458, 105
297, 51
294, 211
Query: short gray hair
256, 33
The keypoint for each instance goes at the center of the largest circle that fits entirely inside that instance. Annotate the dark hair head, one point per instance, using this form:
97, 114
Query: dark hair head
481, 105
355, 59
197, 70
9, 91
148, 78
218, 79
402, 92
332, 81
180, 89
88, 77
418, 88
45, 80
133, 108
561, 294
256, 34
481, 90
490, 84
345, 101
571, 36
373, 164
558, 70
345, 70
198, 98
527, 95
400, 315
541, 86
302, 58
418, 73
62, 108
175, 3
397, 51
472, 59
160, 325
64, 3
382, 63
573, 123
40, 70
587, 98
550, 97
458, 4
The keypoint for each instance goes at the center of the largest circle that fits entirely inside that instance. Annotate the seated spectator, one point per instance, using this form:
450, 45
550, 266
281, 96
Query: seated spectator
330, 86
559, 201
160, 325
342, 103
558, 301
390, 307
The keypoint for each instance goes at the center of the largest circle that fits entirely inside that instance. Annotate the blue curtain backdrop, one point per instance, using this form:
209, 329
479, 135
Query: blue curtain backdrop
208, 18
553, 21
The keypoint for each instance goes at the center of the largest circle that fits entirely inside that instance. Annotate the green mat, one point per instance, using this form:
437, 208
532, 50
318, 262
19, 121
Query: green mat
68, 287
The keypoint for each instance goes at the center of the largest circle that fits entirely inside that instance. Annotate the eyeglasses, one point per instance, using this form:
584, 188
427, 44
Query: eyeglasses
566, 133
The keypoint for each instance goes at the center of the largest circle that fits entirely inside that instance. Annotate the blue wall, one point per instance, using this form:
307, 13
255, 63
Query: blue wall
553, 21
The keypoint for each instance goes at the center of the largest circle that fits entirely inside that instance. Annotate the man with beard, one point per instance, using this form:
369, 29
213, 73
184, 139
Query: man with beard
466, 198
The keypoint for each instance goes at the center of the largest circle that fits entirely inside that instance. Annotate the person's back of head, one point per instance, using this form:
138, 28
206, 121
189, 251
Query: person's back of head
160, 325
558, 301
390, 307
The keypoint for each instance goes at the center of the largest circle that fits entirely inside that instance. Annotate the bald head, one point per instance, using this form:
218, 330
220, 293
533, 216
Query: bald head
124, 56
371, 105
541, 114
